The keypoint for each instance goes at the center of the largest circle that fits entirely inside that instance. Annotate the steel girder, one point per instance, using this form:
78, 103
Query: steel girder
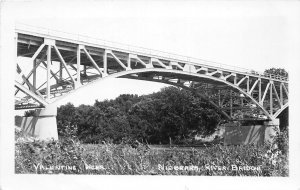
71, 64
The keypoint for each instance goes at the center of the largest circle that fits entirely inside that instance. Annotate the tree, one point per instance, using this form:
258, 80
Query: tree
156, 118
173, 113
84, 119
277, 71
66, 121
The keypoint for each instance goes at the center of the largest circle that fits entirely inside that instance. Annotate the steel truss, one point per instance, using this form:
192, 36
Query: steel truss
66, 63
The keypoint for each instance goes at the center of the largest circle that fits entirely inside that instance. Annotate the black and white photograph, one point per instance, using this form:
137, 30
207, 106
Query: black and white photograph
128, 89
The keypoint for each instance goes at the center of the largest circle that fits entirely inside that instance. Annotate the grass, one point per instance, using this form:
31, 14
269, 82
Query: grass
70, 157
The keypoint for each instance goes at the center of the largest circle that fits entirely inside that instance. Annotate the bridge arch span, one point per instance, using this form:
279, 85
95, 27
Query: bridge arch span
162, 72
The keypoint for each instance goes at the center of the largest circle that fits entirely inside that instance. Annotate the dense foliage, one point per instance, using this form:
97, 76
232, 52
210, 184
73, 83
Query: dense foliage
277, 71
70, 157
172, 114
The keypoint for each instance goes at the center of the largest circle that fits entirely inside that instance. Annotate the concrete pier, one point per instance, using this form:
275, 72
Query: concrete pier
236, 134
271, 127
42, 125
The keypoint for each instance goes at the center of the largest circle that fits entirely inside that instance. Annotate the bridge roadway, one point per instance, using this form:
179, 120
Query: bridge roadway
74, 61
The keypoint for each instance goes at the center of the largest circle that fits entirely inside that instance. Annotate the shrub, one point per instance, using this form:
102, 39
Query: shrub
123, 159
37, 156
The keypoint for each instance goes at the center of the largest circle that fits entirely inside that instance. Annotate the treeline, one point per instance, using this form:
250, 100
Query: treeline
170, 114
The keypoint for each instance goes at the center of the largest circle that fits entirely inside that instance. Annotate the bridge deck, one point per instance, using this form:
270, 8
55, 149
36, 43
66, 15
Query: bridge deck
30, 38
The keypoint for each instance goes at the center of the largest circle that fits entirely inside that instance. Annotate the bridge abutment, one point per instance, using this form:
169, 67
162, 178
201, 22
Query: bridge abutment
42, 125
237, 134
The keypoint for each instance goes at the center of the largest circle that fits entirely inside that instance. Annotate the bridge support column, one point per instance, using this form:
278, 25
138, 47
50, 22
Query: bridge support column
271, 128
42, 125
237, 134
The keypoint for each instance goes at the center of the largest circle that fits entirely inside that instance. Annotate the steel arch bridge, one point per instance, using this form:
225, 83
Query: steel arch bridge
52, 65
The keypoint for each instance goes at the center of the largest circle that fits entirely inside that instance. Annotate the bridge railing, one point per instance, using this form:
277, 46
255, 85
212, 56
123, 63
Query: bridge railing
141, 50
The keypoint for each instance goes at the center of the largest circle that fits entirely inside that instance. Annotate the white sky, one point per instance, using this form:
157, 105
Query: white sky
249, 35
